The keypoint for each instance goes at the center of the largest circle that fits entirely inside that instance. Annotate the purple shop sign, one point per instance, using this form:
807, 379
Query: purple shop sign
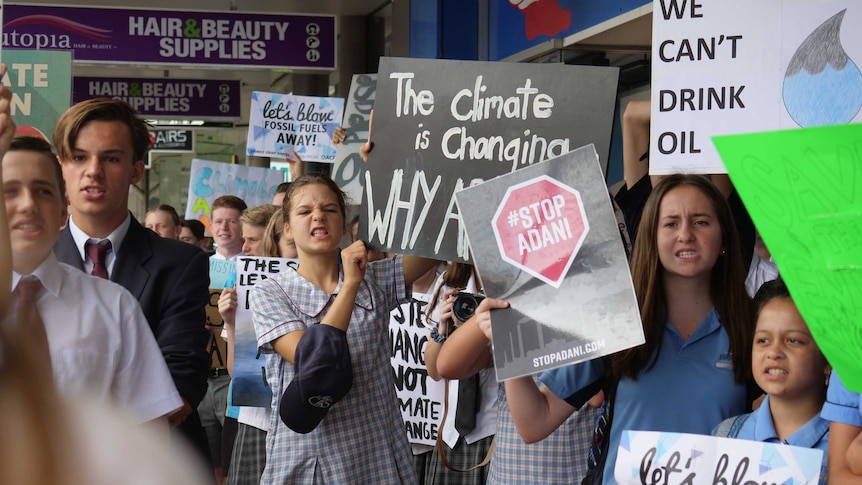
138, 36
162, 97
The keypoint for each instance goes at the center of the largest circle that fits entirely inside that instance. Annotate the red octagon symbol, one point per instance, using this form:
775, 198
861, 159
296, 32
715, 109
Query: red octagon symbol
540, 226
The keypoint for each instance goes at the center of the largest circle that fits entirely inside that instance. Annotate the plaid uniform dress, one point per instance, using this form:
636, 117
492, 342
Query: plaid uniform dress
561, 458
362, 438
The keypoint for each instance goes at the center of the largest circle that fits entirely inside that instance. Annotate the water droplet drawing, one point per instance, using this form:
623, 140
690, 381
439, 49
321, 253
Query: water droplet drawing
822, 85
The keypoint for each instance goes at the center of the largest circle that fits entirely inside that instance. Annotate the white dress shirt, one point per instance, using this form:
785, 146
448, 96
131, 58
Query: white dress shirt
100, 342
81, 239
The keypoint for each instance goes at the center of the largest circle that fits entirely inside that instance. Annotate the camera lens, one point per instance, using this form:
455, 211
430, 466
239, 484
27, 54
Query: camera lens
465, 305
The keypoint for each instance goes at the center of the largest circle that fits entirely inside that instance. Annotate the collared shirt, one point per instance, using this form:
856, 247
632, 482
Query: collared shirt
486, 416
100, 342
218, 255
362, 438
559, 459
813, 434
689, 389
760, 271
81, 239
842, 405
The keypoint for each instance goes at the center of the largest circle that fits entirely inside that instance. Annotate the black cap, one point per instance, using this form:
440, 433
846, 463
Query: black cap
324, 375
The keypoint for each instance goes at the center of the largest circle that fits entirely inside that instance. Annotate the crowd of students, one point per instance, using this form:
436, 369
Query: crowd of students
132, 333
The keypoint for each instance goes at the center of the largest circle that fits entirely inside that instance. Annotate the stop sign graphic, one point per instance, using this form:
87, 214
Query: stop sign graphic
540, 226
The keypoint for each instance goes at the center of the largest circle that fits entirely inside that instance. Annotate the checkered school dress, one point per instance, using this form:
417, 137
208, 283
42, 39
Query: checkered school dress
362, 438
561, 458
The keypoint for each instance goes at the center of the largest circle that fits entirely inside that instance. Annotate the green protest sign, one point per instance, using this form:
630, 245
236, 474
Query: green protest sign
803, 189
41, 84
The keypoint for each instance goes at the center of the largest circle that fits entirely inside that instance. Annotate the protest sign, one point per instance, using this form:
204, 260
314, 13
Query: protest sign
250, 386
221, 270
440, 126
349, 169
280, 124
734, 66
217, 347
41, 85
553, 250
680, 458
210, 180
803, 189
420, 397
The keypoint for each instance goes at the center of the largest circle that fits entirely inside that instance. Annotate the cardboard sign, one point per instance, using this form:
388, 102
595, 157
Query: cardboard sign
440, 126
217, 347
210, 180
553, 250
250, 386
803, 189
680, 458
280, 124
734, 66
349, 169
420, 397
41, 85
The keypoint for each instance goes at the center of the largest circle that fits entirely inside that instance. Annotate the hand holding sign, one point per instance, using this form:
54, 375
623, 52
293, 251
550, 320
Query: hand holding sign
368, 145
483, 314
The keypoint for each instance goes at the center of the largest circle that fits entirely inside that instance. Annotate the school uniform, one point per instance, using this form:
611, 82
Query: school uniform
690, 387
362, 438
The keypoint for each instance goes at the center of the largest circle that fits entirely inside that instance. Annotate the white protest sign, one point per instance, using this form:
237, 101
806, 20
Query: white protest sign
210, 180
249, 368
655, 457
421, 398
735, 66
280, 124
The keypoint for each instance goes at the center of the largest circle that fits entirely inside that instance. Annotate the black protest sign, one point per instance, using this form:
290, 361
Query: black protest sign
348, 171
440, 126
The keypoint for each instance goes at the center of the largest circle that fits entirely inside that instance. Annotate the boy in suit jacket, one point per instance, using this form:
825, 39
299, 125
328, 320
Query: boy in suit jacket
101, 144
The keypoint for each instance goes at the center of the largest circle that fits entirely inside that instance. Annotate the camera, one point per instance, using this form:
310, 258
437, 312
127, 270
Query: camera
465, 305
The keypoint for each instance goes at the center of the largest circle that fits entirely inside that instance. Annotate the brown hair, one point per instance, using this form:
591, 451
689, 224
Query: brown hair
282, 188
727, 288
175, 218
456, 275
314, 179
38, 145
100, 109
258, 216
272, 235
229, 202
196, 226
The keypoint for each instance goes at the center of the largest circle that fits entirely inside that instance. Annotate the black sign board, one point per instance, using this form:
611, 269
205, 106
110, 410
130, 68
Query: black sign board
440, 126
172, 140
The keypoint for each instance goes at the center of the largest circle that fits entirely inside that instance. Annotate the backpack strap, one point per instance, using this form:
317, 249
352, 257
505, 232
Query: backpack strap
729, 428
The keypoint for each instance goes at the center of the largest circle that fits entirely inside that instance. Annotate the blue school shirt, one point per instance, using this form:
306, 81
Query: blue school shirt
842, 405
814, 434
689, 389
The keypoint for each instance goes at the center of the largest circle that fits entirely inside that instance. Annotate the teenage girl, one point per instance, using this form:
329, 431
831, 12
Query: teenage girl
361, 439
695, 367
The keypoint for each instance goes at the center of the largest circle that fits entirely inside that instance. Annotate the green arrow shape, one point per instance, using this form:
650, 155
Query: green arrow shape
803, 189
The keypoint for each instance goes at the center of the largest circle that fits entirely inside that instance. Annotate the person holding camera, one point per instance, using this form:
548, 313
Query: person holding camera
558, 459
471, 408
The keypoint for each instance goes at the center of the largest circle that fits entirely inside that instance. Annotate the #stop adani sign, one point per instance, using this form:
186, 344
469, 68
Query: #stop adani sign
539, 227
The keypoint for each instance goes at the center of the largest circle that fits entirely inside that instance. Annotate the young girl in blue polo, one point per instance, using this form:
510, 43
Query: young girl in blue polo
788, 365
695, 367
361, 439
